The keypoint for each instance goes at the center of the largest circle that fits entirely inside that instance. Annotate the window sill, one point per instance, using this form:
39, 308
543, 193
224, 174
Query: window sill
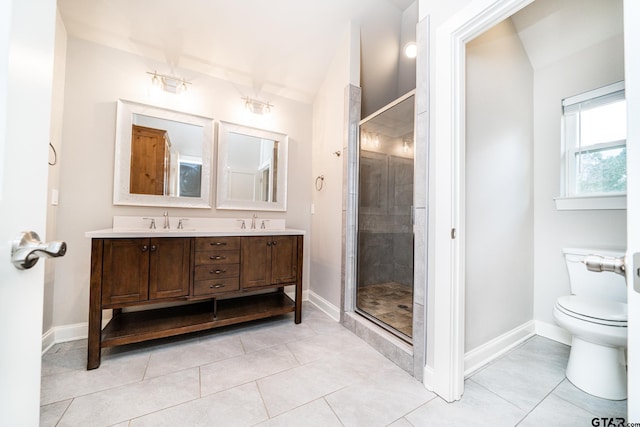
580, 203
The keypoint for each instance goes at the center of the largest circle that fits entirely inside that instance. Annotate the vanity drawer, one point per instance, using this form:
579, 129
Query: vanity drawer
223, 243
207, 287
217, 257
204, 272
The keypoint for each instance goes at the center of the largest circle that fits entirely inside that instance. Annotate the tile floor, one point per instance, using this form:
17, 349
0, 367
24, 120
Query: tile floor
391, 303
275, 373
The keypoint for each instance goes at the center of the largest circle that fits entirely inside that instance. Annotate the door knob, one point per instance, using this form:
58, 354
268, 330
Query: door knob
27, 249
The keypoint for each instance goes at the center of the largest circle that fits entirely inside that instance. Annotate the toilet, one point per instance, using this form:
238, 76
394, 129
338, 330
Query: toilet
595, 314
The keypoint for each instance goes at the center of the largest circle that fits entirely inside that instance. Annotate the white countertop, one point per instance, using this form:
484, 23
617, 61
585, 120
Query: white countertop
115, 233
137, 226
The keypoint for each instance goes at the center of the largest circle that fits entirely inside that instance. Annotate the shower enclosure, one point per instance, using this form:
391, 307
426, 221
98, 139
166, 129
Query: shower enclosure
384, 276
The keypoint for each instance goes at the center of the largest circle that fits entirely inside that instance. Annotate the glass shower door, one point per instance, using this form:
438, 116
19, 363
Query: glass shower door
384, 291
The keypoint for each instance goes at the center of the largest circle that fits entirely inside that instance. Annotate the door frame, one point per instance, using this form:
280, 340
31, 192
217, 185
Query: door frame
632, 92
446, 373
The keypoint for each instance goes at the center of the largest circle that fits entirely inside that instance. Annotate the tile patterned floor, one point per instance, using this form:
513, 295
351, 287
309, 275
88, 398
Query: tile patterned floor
275, 373
390, 302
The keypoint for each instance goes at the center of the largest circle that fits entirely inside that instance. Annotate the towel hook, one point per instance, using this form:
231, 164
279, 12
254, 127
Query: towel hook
319, 182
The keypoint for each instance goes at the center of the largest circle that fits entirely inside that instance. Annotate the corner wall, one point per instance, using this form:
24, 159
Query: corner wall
498, 228
593, 67
328, 204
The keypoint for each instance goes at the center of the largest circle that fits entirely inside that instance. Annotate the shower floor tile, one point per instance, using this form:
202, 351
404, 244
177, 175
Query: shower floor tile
390, 302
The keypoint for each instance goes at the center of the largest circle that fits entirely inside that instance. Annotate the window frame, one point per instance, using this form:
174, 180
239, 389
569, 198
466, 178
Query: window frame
571, 149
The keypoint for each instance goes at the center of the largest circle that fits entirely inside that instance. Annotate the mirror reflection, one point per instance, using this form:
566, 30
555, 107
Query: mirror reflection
163, 157
166, 157
251, 168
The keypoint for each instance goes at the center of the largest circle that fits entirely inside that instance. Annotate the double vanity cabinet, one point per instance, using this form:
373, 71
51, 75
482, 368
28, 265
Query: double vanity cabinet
221, 278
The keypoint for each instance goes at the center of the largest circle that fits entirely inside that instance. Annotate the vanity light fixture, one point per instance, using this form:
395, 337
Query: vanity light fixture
168, 83
411, 50
256, 106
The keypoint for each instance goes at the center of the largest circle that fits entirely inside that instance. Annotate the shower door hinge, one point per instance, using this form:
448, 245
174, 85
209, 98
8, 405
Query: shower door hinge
453, 233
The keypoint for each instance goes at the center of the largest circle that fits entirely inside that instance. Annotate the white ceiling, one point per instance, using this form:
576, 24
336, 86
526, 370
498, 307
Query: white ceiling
280, 47
554, 29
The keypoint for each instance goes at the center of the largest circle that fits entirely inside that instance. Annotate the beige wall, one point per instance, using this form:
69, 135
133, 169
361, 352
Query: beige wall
96, 77
329, 137
499, 186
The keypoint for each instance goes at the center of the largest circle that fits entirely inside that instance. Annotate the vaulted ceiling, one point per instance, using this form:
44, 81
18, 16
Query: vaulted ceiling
282, 47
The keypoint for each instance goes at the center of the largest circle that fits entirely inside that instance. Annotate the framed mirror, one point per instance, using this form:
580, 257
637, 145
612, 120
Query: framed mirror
162, 158
252, 168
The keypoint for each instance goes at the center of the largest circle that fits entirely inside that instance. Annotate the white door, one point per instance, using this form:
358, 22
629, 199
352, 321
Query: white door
632, 85
27, 29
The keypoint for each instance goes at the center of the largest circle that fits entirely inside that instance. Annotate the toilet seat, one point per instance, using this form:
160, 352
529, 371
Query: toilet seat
608, 313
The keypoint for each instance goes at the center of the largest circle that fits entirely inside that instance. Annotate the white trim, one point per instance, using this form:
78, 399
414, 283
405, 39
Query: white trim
595, 93
553, 332
59, 334
488, 352
323, 305
448, 106
577, 203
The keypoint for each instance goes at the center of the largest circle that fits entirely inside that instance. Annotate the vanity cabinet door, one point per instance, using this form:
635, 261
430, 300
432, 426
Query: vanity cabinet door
284, 259
125, 271
268, 260
255, 269
169, 267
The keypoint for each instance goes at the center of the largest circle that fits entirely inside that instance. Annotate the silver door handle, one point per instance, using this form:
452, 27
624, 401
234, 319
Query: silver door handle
27, 249
600, 263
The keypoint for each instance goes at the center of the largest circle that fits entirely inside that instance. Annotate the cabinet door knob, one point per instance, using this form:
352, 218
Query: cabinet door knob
269, 243
274, 243
217, 271
218, 243
154, 248
217, 257
218, 286
145, 248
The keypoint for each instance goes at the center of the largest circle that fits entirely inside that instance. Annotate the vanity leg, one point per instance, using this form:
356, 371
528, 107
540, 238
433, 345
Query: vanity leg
95, 308
298, 315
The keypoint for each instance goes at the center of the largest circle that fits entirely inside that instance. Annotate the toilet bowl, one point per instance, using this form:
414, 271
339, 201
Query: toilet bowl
596, 317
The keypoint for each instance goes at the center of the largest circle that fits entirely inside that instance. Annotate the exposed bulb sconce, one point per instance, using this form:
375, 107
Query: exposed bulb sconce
411, 50
168, 83
257, 107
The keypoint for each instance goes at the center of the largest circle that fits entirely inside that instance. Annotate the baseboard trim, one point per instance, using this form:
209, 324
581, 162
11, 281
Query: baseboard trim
553, 332
428, 378
59, 334
486, 353
324, 305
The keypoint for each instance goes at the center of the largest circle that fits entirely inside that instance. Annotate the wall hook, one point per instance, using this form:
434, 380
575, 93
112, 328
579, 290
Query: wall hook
337, 153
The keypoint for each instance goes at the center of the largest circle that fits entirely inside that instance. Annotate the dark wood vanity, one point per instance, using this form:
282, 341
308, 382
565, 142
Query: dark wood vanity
225, 280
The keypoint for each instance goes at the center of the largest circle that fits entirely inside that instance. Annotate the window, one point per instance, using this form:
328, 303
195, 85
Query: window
594, 137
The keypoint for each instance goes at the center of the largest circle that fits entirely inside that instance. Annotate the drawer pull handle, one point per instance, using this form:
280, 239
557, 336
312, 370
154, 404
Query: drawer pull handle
218, 286
217, 257
217, 271
218, 243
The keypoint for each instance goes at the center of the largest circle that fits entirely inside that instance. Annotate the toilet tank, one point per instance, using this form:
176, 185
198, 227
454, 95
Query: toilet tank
604, 285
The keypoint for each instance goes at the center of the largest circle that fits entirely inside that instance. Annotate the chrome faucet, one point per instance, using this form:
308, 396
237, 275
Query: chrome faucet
253, 221
165, 214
